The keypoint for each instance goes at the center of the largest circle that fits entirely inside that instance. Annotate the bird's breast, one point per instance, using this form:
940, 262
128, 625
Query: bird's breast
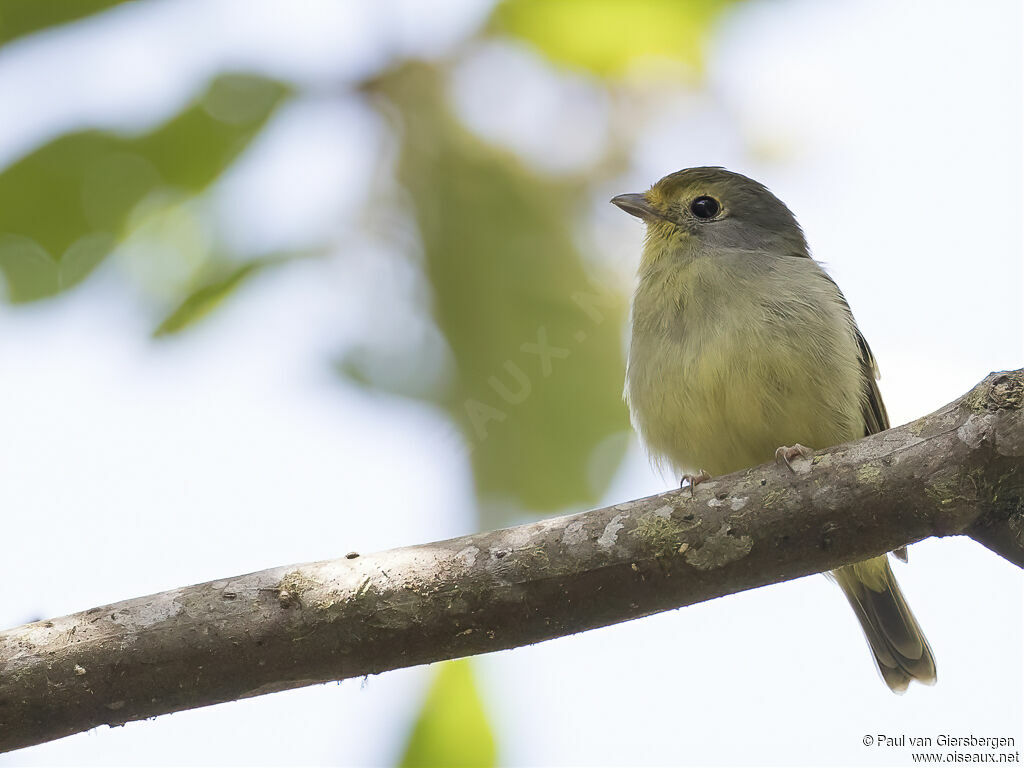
719, 382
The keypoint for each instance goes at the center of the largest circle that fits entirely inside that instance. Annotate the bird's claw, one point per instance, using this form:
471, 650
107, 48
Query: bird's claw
786, 452
693, 480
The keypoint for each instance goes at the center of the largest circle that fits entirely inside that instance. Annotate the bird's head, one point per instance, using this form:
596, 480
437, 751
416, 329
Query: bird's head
710, 210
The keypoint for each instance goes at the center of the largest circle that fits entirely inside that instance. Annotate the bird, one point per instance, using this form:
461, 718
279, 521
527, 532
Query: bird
742, 348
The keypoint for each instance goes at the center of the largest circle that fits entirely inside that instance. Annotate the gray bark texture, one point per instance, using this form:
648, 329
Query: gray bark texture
957, 471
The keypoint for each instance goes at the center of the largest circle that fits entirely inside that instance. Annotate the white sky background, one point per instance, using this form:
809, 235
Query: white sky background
894, 131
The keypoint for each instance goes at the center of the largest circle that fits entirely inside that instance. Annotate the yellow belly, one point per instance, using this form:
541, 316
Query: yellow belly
726, 398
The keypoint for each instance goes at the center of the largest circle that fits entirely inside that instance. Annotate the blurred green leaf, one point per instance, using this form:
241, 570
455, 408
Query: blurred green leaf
537, 348
63, 207
204, 300
607, 37
21, 17
223, 280
452, 730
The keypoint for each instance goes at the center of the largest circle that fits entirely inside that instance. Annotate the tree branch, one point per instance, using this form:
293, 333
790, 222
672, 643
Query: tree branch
956, 471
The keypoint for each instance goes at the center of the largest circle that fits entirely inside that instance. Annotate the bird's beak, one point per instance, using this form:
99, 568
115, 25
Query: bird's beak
636, 204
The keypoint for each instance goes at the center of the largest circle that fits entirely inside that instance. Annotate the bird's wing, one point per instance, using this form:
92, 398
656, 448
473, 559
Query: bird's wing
873, 409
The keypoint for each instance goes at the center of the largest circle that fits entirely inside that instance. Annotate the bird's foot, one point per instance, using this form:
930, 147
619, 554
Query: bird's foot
693, 480
786, 452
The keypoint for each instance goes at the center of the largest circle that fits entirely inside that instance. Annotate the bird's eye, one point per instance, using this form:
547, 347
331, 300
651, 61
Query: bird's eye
705, 207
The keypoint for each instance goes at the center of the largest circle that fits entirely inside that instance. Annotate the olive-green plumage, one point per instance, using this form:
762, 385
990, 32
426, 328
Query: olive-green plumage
741, 343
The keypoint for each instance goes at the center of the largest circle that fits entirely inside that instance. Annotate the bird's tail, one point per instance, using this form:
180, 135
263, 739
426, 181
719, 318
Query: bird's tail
896, 640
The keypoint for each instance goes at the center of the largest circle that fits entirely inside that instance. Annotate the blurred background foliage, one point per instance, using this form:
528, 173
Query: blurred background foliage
65, 206
609, 37
452, 728
526, 355
499, 255
20, 17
